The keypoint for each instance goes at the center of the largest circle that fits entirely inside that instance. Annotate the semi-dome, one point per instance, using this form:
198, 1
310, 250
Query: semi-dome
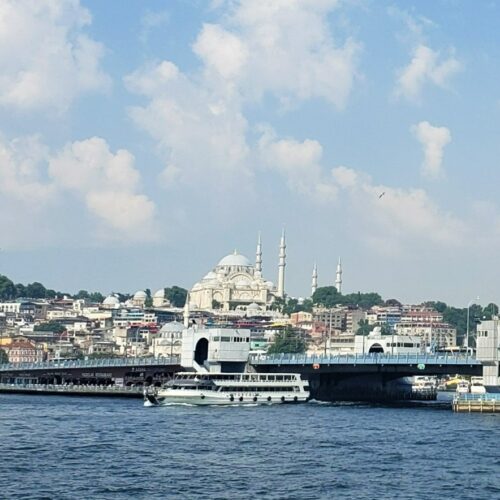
173, 326
160, 294
210, 276
111, 300
234, 259
140, 295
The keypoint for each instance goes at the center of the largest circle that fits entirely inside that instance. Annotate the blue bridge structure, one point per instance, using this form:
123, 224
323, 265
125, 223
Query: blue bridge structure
373, 376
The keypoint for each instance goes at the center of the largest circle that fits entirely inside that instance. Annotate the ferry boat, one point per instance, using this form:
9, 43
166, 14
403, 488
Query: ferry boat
229, 389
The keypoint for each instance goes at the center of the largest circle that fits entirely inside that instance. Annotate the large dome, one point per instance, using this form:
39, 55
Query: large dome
234, 259
140, 295
160, 294
111, 300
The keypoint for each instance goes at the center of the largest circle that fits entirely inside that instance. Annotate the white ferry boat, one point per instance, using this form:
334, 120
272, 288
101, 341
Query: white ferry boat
229, 389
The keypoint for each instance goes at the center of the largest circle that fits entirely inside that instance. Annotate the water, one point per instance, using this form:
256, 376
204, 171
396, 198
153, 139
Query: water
64, 448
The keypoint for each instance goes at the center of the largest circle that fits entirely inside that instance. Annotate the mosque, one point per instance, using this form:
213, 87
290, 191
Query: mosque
235, 283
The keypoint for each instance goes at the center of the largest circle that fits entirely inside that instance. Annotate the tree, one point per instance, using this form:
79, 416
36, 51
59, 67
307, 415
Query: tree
148, 302
50, 326
96, 297
176, 295
326, 296
362, 300
277, 304
489, 311
288, 340
364, 328
82, 294
20, 290
36, 291
216, 304
3, 357
7, 288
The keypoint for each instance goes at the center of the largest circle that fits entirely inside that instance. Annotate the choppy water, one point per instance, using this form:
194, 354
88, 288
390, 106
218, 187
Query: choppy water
65, 448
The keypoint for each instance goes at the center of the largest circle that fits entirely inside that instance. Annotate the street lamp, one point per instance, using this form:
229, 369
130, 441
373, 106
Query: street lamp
466, 343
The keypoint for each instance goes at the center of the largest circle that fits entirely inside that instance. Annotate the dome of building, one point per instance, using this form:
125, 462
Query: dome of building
111, 300
253, 307
234, 259
160, 294
140, 295
210, 276
172, 327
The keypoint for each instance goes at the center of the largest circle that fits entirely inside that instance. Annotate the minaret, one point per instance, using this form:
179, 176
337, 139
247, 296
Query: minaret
338, 278
258, 258
314, 286
282, 264
186, 312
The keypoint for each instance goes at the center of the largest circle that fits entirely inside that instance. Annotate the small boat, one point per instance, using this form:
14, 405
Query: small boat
477, 385
229, 389
463, 387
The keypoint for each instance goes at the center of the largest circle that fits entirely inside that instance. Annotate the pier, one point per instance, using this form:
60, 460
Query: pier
73, 390
480, 403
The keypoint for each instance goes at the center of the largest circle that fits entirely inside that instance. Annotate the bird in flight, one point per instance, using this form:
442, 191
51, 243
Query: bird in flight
380, 195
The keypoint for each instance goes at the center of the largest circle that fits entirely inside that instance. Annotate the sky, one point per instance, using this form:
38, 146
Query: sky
142, 141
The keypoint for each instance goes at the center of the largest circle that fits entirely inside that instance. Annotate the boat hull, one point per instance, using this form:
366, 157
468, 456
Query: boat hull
236, 399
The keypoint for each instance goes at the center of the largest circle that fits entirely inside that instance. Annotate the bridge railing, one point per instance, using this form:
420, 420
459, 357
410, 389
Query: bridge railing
373, 358
491, 396
91, 363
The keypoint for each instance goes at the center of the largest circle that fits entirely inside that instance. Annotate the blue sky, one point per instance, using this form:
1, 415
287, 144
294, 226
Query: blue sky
142, 141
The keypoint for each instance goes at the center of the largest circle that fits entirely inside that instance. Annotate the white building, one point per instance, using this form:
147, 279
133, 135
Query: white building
213, 349
235, 283
488, 352
375, 342
433, 334
168, 341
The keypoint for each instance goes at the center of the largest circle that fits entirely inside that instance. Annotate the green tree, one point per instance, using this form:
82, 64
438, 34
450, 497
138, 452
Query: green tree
148, 302
364, 328
20, 290
362, 300
50, 326
326, 296
489, 311
216, 304
82, 294
7, 288
176, 295
96, 297
36, 290
278, 304
3, 357
288, 340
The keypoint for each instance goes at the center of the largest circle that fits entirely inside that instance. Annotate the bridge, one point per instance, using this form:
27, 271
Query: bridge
332, 377
104, 371
402, 365
365, 377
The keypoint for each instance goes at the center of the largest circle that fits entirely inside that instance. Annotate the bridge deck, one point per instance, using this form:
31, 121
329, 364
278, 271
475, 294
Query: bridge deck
365, 359
90, 363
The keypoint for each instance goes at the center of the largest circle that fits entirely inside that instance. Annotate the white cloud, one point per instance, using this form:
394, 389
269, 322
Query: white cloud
200, 131
21, 171
397, 218
282, 47
108, 184
258, 47
299, 163
46, 58
433, 140
426, 66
